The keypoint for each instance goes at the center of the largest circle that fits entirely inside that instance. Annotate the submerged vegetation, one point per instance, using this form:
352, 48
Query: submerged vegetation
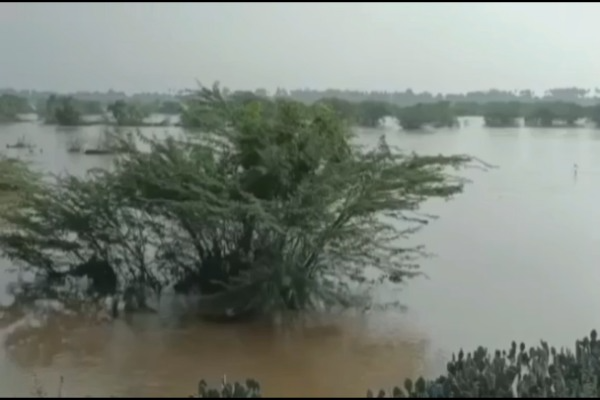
502, 114
61, 110
540, 371
11, 107
412, 112
127, 114
435, 115
269, 207
517, 372
551, 114
265, 207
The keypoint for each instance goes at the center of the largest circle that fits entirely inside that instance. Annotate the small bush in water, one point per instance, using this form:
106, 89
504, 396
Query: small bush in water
517, 372
249, 389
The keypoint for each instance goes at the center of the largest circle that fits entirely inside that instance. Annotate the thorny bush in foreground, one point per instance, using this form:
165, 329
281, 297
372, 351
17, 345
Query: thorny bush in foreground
268, 207
16, 179
518, 372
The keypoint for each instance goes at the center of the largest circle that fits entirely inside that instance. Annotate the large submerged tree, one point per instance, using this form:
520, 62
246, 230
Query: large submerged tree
501, 114
12, 106
127, 114
267, 206
61, 110
419, 116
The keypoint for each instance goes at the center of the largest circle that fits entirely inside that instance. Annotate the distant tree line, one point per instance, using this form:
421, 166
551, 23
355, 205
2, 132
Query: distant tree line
69, 111
558, 107
440, 114
404, 98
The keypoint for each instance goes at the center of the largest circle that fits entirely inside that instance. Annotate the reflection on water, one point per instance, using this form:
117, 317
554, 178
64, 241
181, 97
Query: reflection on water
516, 255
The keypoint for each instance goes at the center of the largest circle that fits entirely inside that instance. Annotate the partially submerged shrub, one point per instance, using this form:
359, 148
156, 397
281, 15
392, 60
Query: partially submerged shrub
518, 372
540, 371
270, 207
127, 114
249, 389
61, 110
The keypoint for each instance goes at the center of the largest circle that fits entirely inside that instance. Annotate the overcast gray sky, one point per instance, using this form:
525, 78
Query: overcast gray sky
370, 46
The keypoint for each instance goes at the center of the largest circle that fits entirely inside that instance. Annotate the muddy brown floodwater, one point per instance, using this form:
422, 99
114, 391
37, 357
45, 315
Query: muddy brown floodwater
517, 258
328, 356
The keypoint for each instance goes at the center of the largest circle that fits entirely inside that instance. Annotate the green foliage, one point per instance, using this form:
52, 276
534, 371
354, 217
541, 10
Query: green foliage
419, 116
557, 113
62, 111
16, 180
501, 114
247, 97
169, 108
11, 106
538, 372
366, 114
570, 113
15, 175
199, 111
541, 116
127, 114
89, 107
442, 115
370, 113
345, 110
414, 117
403, 98
559, 107
468, 109
593, 114
251, 389
268, 208
67, 110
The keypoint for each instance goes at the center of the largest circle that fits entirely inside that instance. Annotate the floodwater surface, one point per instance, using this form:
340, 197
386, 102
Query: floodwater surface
516, 258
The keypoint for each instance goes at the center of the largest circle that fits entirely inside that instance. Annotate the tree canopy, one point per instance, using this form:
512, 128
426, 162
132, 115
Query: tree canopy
127, 114
501, 114
61, 110
12, 106
554, 113
419, 116
267, 206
